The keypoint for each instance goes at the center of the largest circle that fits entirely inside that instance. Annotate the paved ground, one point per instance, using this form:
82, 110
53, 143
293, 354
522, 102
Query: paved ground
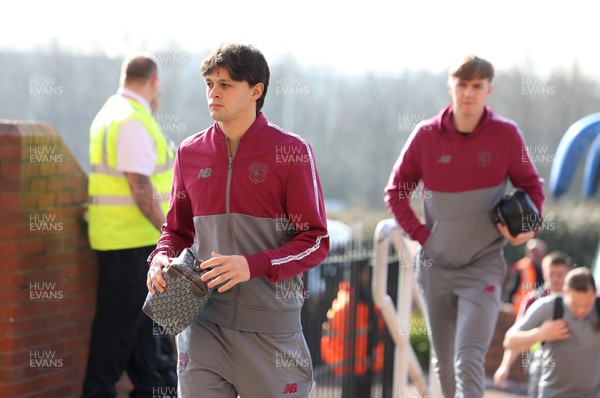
334, 391
501, 394
489, 393
515, 391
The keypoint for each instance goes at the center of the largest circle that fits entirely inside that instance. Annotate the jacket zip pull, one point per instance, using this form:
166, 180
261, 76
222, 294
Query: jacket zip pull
229, 154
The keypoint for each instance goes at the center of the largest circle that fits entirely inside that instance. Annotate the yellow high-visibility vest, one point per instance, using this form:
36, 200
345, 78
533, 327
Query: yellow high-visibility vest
114, 220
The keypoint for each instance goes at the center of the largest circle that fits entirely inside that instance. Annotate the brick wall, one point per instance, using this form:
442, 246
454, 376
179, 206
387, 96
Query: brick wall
48, 273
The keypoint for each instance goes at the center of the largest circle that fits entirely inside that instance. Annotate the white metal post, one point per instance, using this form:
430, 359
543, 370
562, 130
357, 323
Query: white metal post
387, 232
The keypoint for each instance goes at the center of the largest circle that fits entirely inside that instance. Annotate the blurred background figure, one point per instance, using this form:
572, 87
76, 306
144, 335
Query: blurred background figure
129, 186
527, 272
568, 326
555, 267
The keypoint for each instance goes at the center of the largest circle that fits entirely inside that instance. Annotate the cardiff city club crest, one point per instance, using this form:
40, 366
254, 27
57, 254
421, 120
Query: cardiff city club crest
484, 158
258, 172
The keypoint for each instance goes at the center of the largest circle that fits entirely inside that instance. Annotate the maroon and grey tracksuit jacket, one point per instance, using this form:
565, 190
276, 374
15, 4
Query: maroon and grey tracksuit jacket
464, 178
263, 202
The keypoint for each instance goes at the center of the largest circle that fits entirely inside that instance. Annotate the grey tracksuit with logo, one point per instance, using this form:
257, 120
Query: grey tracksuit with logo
264, 202
461, 264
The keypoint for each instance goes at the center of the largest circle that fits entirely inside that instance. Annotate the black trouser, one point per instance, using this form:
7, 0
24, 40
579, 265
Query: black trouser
122, 335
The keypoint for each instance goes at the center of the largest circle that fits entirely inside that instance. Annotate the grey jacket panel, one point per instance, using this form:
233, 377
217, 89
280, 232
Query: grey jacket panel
257, 305
460, 226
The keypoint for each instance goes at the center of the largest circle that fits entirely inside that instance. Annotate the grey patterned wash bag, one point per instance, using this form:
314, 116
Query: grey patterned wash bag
184, 297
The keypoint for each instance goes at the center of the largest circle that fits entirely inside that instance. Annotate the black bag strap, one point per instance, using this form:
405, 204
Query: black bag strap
558, 307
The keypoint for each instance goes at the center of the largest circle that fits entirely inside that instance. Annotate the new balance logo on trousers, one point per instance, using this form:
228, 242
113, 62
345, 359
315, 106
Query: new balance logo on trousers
290, 388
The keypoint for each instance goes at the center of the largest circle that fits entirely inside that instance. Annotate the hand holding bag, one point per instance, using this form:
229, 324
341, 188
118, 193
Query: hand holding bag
183, 298
517, 212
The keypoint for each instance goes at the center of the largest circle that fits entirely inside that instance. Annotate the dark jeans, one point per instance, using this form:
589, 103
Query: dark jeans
122, 335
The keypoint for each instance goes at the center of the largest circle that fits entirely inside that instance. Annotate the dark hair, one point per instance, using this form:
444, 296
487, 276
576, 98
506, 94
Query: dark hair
138, 68
580, 280
243, 62
556, 258
473, 67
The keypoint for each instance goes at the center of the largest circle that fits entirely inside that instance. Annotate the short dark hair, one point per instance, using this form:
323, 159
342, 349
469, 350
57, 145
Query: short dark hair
580, 280
244, 62
473, 67
138, 68
556, 258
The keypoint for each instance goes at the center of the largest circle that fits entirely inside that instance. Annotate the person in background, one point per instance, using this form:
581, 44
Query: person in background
527, 272
570, 352
463, 157
350, 320
129, 186
555, 267
167, 364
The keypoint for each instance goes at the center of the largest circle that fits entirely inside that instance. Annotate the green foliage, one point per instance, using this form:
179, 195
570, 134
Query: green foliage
420, 341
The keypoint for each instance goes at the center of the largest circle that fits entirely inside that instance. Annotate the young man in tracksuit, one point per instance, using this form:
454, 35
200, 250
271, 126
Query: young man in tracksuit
463, 157
555, 267
246, 196
570, 355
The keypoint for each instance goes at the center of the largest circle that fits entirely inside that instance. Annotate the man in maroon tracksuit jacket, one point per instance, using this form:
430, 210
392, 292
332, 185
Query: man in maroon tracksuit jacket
463, 157
246, 196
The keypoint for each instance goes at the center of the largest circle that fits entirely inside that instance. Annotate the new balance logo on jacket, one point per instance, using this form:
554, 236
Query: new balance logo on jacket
204, 173
445, 159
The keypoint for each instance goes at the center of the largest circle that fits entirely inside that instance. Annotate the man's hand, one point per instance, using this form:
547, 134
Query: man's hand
552, 330
229, 270
500, 376
503, 371
515, 240
155, 278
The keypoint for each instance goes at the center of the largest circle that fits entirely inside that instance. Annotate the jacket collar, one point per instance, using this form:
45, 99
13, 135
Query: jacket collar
447, 127
253, 131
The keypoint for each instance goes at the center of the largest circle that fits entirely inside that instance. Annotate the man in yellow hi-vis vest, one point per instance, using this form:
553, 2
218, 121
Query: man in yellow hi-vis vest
129, 185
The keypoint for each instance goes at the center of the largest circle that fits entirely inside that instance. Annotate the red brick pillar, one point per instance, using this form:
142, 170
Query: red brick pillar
48, 273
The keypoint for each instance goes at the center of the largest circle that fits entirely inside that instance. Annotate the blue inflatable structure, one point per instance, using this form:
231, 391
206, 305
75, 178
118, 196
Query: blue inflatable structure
582, 135
592, 169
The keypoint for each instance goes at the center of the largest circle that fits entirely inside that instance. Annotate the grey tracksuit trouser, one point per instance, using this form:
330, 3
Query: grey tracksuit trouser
219, 362
462, 310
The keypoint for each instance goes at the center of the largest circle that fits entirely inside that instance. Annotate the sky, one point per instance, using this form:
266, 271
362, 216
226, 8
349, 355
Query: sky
348, 36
